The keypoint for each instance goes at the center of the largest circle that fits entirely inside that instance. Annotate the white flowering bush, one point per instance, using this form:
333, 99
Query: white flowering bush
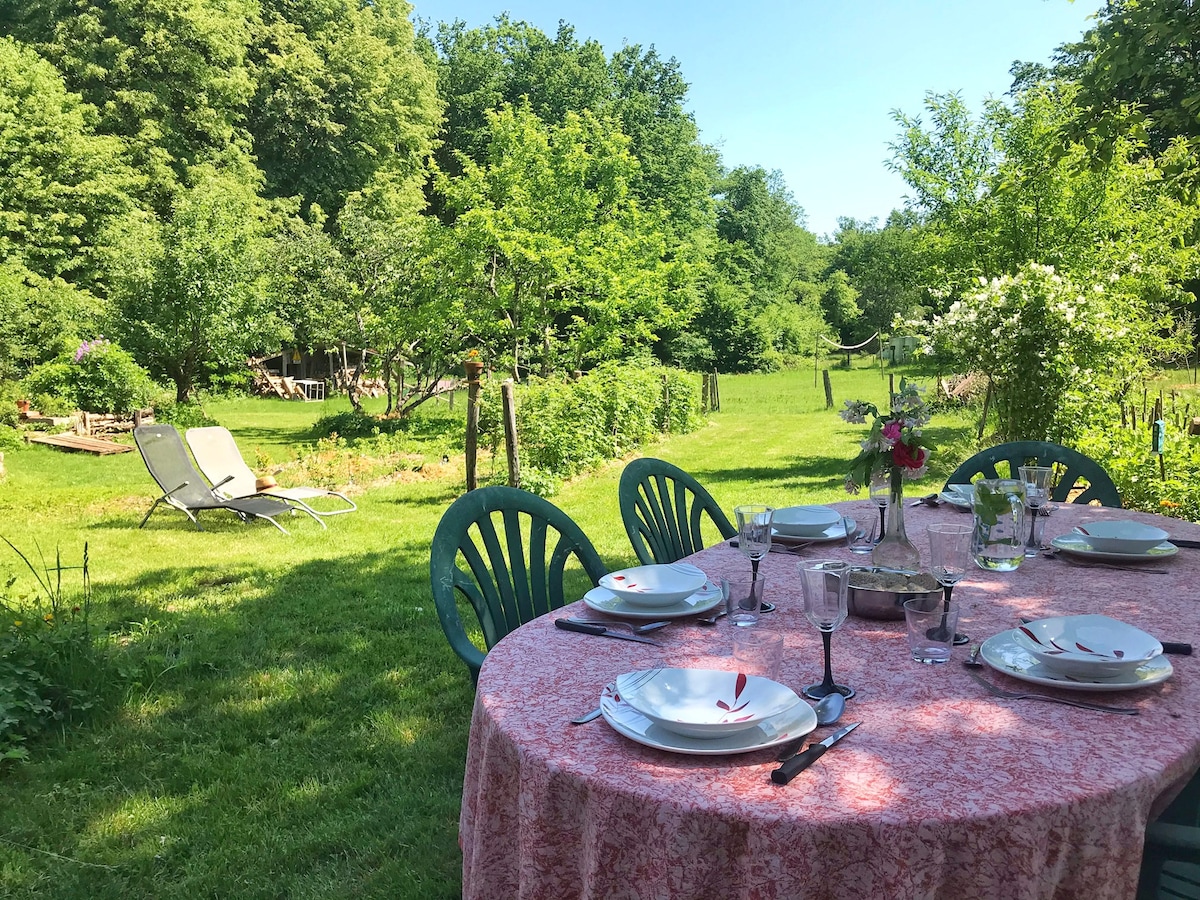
1059, 355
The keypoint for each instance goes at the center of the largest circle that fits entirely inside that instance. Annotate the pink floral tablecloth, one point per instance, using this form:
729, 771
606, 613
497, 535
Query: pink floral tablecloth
944, 791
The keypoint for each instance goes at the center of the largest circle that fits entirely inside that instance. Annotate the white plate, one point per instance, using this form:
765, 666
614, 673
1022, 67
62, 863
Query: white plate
955, 497
804, 521
1004, 654
1078, 544
835, 532
796, 722
1091, 647
705, 703
700, 602
655, 585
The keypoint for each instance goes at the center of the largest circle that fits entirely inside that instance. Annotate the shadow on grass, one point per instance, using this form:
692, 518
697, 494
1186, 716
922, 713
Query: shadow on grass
300, 735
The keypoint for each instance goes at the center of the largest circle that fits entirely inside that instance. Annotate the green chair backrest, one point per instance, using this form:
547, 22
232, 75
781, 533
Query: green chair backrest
516, 547
1171, 854
1073, 466
663, 508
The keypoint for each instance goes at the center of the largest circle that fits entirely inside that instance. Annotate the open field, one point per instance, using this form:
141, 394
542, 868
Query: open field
297, 724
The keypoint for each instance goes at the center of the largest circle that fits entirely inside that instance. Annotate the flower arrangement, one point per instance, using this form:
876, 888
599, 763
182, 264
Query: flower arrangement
895, 444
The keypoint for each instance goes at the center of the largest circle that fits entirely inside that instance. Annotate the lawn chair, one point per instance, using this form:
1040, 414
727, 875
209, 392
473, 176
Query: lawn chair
219, 459
516, 546
663, 508
184, 488
1074, 468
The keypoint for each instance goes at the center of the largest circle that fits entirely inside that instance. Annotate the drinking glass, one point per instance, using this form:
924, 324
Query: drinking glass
860, 536
754, 532
825, 583
949, 556
744, 598
881, 494
1037, 492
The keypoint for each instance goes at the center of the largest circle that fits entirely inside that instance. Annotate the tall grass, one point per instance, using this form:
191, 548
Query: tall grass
297, 724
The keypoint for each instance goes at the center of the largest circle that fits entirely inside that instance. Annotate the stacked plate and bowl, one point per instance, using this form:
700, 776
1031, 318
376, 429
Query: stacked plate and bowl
1118, 540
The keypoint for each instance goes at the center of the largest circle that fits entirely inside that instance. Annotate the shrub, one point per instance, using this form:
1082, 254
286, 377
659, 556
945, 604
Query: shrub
99, 377
566, 427
1125, 454
181, 415
53, 669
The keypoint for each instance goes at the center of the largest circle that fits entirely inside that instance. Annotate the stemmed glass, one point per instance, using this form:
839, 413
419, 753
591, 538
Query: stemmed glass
949, 556
825, 583
881, 493
754, 532
1037, 492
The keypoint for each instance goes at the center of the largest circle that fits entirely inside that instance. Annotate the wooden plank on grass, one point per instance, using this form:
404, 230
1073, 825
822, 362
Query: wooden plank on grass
78, 442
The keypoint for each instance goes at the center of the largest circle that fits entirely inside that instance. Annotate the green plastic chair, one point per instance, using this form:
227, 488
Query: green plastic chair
1171, 855
516, 547
663, 508
1074, 467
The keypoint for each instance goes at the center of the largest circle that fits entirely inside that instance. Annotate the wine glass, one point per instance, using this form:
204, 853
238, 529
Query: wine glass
1037, 492
881, 493
825, 583
754, 532
949, 556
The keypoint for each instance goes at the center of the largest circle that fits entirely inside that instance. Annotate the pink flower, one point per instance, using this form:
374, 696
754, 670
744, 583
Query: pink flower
906, 458
891, 431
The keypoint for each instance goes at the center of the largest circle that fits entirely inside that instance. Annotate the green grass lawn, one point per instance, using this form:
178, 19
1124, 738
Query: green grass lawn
296, 725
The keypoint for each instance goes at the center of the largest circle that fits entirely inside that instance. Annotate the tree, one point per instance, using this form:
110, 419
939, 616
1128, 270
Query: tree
62, 187
340, 93
565, 268
169, 77
191, 293
1143, 54
884, 267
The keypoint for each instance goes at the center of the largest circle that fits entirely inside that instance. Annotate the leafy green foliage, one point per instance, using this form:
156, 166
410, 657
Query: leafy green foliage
53, 667
99, 377
567, 427
1059, 354
1126, 456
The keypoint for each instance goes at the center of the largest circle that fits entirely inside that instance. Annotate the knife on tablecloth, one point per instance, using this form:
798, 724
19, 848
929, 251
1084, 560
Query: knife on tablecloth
582, 628
802, 761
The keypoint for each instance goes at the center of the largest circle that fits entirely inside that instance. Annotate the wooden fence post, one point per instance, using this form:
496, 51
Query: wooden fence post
828, 389
472, 440
714, 386
509, 401
666, 404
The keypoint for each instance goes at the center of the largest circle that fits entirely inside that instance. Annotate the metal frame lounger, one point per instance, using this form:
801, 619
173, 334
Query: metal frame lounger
219, 459
184, 488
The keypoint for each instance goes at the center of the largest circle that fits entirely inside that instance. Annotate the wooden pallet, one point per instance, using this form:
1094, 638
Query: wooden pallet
78, 442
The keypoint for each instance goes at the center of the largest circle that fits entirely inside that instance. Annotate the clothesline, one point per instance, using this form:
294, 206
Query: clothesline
844, 347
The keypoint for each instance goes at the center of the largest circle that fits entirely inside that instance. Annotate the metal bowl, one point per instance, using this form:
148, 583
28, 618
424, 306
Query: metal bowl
881, 603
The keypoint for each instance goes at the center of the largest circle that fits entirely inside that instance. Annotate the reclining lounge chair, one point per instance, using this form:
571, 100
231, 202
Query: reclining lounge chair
219, 459
184, 488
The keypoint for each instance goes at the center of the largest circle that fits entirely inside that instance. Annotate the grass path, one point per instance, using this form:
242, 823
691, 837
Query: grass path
297, 723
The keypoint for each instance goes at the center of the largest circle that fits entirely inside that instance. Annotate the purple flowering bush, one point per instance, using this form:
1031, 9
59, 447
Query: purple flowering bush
99, 377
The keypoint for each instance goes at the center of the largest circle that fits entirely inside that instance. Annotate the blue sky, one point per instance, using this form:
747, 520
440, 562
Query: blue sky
808, 86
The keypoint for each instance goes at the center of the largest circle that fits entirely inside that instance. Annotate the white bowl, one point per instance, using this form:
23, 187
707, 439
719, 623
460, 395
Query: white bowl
1087, 646
804, 521
1122, 536
659, 585
705, 703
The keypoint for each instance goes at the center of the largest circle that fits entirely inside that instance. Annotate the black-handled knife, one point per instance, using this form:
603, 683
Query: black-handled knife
1174, 648
582, 628
802, 761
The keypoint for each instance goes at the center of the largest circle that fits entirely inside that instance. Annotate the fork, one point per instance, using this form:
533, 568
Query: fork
643, 679
1021, 695
1094, 564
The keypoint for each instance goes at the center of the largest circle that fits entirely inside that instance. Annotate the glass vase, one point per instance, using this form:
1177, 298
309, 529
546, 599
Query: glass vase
998, 540
895, 550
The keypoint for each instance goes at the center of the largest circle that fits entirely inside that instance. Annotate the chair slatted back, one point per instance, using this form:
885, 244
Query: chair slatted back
516, 548
664, 510
1072, 467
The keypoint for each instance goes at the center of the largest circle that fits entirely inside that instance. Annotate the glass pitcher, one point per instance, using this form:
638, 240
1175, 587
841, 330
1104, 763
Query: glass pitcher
998, 540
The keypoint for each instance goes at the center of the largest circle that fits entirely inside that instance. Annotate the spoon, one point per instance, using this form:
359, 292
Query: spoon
828, 711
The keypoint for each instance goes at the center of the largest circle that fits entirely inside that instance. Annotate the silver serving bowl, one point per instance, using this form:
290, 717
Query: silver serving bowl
876, 603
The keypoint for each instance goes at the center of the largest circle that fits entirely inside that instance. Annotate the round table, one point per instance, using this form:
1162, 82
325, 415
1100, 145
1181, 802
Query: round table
943, 791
